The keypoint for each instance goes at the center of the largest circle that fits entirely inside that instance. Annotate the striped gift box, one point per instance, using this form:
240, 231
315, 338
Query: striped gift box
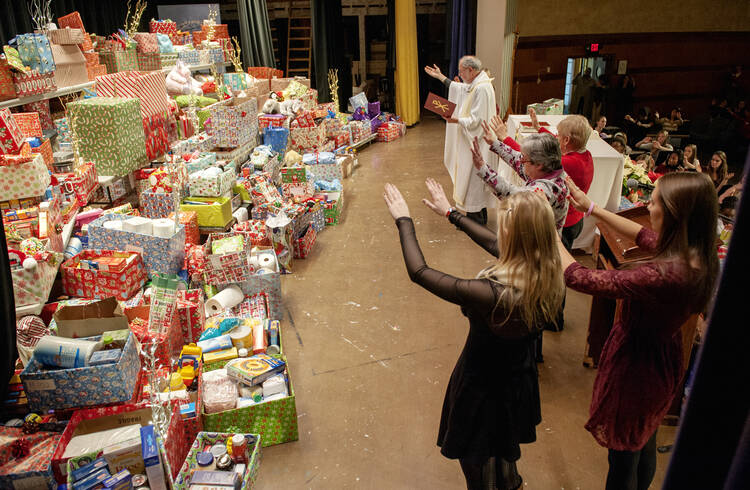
149, 61
148, 87
66, 35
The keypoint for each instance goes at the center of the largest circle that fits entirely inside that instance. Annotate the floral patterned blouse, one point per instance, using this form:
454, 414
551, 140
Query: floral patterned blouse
552, 185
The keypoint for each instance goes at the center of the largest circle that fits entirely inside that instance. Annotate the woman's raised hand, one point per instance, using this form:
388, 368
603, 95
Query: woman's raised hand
439, 203
498, 127
534, 120
578, 199
395, 202
476, 154
488, 136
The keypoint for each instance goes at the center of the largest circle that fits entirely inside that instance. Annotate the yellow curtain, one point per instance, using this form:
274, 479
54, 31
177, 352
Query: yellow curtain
407, 69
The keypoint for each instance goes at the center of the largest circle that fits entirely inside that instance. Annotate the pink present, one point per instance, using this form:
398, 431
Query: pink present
150, 88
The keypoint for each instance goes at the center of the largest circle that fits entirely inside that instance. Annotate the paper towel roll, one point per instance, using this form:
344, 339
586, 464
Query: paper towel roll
242, 337
138, 224
163, 227
114, 224
228, 298
241, 215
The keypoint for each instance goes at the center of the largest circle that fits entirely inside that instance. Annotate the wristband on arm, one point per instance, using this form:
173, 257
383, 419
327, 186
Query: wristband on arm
590, 210
448, 213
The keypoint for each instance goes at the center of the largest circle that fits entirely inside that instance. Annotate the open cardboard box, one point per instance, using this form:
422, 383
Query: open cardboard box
76, 321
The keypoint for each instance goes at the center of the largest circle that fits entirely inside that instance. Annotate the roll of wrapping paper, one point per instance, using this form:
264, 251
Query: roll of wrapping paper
260, 344
242, 337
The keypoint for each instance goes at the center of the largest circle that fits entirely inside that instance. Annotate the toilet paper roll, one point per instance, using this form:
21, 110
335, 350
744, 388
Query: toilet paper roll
163, 227
228, 298
242, 337
241, 215
114, 224
266, 261
138, 224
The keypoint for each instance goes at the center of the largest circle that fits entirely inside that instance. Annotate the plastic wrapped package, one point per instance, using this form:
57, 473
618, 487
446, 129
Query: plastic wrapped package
219, 391
96, 441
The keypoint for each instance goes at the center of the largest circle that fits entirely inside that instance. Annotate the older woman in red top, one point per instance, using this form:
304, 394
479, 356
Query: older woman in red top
641, 364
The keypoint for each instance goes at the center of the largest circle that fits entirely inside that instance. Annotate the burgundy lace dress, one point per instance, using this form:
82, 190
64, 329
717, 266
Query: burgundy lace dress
492, 401
641, 363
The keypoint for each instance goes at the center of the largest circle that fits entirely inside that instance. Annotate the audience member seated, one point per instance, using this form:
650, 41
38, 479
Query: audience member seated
599, 128
647, 161
672, 164
690, 160
655, 146
718, 170
620, 143
671, 123
639, 127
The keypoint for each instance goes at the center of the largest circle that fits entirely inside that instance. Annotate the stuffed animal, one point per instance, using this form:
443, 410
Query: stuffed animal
180, 81
291, 107
271, 106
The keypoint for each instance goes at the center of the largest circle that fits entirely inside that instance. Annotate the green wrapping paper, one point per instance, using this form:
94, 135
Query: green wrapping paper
110, 133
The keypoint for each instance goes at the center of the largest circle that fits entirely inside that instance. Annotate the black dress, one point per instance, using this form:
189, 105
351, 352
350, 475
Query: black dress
492, 401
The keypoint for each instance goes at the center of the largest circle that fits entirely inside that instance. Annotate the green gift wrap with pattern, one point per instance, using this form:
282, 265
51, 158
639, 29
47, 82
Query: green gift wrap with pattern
109, 133
203, 442
275, 421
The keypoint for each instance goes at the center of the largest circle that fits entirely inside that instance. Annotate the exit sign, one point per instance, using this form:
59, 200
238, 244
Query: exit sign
593, 48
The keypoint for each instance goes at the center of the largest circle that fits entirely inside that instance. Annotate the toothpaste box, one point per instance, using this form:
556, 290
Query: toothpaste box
152, 459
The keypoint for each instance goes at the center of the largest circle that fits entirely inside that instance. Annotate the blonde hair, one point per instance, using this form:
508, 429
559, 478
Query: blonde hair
577, 128
529, 261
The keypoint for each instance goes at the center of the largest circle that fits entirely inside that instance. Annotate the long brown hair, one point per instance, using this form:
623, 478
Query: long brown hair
717, 175
529, 261
688, 232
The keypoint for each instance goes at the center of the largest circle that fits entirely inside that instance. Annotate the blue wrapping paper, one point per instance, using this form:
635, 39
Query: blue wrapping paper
276, 138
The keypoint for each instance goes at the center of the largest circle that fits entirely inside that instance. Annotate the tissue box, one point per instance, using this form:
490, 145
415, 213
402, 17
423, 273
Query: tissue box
12, 136
100, 284
276, 138
88, 421
24, 176
33, 83
164, 255
79, 387
33, 286
304, 244
202, 440
275, 421
234, 122
33, 470
149, 88
35, 52
212, 186
217, 213
307, 140
110, 133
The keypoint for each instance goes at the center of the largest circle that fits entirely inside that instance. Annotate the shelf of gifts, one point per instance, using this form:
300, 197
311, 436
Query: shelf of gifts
49, 95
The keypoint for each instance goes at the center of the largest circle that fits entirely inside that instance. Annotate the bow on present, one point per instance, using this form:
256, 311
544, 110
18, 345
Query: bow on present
439, 105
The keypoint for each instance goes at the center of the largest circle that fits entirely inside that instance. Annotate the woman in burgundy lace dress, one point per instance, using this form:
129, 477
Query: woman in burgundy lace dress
641, 363
492, 401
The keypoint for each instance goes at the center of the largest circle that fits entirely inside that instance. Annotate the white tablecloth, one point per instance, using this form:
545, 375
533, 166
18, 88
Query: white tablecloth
606, 187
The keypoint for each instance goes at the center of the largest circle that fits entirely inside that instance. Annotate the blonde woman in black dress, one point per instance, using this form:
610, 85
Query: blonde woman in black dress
492, 401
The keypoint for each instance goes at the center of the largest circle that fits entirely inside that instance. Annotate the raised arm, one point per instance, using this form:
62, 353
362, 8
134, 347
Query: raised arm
580, 201
500, 186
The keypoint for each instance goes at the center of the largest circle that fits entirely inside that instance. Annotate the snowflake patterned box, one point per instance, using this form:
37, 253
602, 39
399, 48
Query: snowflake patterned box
203, 186
33, 470
275, 421
110, 133
234, 122
80, 387
89, 282
205, 440
33, 286
156, 205
23, 176
160, 254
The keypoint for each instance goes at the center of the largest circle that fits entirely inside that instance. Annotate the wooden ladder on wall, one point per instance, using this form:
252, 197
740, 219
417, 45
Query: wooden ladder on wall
299, 39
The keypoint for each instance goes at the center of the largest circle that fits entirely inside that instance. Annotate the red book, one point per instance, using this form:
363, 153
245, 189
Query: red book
440, 106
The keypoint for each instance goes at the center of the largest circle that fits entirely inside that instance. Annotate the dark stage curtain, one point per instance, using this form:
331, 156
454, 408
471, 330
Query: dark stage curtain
328, 50
7, 320
461, 27
713, 444
255, 30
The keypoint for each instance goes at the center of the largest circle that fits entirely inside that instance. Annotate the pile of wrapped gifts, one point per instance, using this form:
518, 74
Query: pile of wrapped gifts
148, 227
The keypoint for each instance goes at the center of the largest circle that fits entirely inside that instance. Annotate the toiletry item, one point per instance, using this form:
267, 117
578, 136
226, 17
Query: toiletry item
114, 224
163, 228
64, 352
225, 299
224, 463
274, 385
110, 356
242, 336
152, 459
217, 343
138, 224
242, 352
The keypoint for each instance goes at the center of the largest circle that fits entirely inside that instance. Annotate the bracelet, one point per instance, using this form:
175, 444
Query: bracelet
591, 210
448, 213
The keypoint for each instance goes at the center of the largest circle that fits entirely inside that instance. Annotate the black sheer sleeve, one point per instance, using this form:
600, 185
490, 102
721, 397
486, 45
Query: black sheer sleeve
465, 292
482, 236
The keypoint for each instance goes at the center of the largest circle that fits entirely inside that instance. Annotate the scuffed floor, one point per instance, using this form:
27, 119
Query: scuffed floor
370, 353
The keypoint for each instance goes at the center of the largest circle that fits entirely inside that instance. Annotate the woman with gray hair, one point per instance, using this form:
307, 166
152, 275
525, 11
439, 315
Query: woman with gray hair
538, 164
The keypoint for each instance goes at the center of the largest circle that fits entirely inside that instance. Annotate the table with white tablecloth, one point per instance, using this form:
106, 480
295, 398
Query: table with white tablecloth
606, 187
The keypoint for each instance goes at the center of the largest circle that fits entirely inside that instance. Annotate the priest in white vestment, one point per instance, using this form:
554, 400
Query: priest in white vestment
475, 102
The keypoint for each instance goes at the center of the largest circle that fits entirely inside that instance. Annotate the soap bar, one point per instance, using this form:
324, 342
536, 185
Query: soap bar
105, 357
221, 355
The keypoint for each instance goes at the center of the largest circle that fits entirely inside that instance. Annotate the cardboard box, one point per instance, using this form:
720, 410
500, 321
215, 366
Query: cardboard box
275, 421
205, 439
71, 65
88, 320
80, 387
